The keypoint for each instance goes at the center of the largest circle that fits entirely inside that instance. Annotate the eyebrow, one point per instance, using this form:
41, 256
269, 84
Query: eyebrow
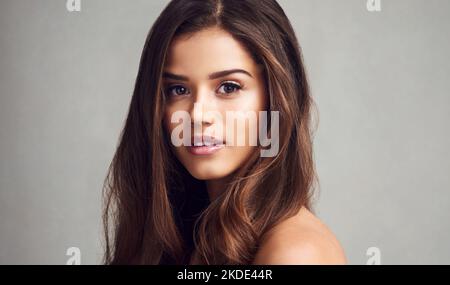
212, 76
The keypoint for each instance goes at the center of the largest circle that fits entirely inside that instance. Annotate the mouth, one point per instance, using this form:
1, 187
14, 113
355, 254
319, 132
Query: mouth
205, 145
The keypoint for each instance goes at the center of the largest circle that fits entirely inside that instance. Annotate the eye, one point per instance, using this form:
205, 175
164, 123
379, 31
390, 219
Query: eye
229, 87
176, 90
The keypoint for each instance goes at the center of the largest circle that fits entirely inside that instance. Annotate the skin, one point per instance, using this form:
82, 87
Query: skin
196, 57
302, 239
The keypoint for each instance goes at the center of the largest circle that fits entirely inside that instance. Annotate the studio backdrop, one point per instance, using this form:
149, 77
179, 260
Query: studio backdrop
379, 74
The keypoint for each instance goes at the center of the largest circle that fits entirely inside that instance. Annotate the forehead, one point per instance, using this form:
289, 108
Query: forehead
208, 51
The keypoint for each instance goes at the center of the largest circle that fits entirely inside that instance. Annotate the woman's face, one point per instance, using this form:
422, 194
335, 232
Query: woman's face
197, 81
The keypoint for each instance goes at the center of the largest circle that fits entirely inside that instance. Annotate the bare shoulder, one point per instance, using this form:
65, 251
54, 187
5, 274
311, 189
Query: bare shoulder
302, 239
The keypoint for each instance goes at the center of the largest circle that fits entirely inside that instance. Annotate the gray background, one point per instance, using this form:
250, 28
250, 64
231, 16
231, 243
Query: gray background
380, 81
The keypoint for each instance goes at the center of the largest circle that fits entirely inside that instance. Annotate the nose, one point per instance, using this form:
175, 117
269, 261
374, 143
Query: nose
203, 103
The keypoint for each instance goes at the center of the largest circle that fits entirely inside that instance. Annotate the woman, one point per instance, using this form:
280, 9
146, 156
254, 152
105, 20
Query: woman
216, 202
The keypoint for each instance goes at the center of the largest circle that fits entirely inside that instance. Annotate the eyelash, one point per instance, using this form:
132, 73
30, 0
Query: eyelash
236, 87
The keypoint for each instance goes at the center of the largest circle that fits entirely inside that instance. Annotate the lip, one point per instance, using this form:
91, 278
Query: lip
204, 150
205, 145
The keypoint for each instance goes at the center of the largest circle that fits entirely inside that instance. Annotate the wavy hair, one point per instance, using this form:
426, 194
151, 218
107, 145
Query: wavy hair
155, 212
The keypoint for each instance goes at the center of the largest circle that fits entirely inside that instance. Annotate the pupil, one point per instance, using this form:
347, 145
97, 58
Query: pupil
180, 90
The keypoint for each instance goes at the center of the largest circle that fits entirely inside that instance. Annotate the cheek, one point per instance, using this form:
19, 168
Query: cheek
238, 155
250, 101
166, 121
167, 118
167, 128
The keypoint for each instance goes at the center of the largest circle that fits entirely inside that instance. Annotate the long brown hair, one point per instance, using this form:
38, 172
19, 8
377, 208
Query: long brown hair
155, 211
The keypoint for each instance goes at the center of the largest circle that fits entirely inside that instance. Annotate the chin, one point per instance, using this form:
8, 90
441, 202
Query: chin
207, 172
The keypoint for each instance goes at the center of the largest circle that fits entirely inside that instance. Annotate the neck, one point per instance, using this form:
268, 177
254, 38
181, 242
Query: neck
216, 187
